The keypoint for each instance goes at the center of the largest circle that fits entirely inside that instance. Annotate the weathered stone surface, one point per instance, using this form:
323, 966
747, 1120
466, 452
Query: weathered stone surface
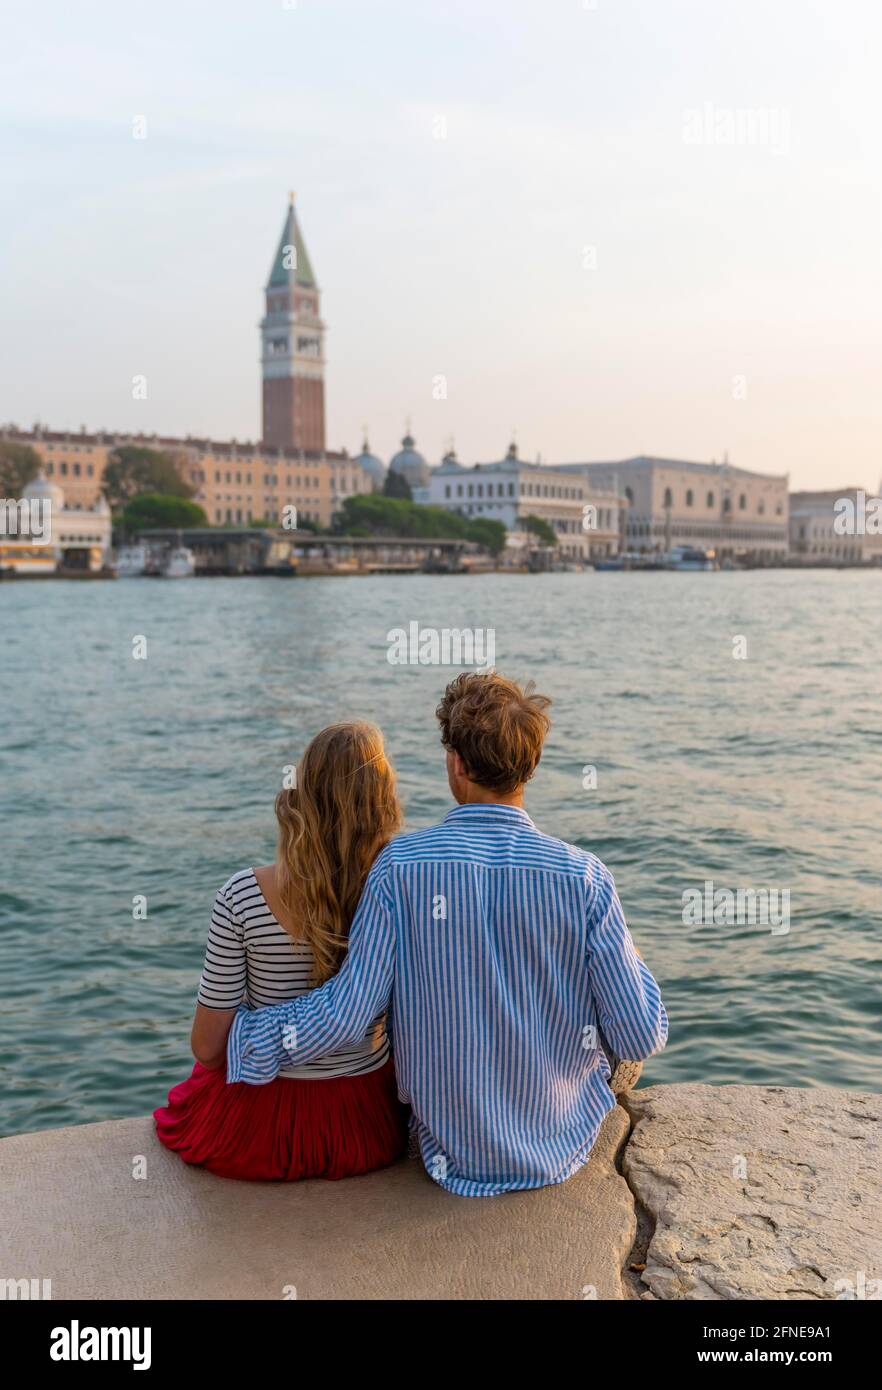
71, 1211
759, 1191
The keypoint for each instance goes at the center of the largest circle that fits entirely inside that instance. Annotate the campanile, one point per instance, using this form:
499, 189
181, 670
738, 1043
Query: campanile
292, 338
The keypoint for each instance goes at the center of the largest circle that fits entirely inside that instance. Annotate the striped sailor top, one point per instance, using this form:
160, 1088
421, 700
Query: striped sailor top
251, 960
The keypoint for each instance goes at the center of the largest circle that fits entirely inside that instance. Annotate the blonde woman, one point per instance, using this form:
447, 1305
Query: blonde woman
277, 932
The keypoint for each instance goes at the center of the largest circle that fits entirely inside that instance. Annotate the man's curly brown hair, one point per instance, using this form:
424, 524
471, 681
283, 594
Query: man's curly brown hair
496, 726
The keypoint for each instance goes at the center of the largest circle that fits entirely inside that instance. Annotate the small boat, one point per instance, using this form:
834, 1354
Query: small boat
180, 563
131, 560
690, 557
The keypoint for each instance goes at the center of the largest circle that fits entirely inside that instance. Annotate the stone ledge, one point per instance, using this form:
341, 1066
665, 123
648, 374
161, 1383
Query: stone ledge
803, 1222
71, 1211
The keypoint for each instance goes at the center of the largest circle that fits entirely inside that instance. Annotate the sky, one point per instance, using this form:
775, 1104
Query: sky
601, 227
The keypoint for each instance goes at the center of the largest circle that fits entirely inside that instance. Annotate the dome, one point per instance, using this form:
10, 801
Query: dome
410, 463
40, 487
372, 465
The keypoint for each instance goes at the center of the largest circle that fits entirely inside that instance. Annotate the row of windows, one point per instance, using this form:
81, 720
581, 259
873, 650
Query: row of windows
526, 490
246, 516
197, 475
75, 469
477, 490
711, 501
270, 500
71, 448
471, 507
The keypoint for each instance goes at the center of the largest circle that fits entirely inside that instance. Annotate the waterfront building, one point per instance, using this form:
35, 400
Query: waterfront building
822, 530
292, 338
730, 510
240, 483
586, 517
234, 483
77, 537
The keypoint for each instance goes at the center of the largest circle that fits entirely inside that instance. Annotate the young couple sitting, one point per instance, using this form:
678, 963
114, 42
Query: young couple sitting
473, 985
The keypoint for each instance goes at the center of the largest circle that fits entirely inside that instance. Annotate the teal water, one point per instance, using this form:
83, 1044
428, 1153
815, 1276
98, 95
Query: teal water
121, 777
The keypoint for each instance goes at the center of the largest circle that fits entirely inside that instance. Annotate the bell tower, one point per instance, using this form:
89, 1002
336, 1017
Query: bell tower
292, 340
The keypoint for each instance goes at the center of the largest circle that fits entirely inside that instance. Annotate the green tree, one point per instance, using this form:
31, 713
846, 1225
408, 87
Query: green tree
372, 514
396, 485
19, 464
133, 469
153, 509
488, 533
540, 529
395, 516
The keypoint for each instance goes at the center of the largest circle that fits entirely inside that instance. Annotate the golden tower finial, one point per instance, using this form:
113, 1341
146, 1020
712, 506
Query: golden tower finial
291, 197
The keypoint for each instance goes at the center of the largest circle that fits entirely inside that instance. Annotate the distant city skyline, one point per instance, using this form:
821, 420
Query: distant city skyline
608, 230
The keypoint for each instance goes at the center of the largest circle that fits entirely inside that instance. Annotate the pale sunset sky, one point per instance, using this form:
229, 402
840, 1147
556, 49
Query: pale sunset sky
515, 197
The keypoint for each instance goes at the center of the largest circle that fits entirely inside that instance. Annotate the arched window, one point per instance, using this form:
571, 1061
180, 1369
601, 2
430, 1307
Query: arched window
761, 507
689, 498
669, 500
710, 499
727, 504
630, 496
742, 503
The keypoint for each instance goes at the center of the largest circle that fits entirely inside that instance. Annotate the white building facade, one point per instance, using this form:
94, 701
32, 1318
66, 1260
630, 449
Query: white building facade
586, 518
715, 506
39, 533
838, 526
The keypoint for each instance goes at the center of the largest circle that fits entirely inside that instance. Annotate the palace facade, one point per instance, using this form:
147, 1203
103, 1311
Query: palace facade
715, 506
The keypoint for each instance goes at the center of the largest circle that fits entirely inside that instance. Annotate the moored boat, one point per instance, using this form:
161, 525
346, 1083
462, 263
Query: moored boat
179, 563
131, 560
690, 557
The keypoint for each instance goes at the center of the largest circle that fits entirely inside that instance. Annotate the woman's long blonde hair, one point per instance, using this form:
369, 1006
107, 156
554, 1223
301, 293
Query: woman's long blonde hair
332, 826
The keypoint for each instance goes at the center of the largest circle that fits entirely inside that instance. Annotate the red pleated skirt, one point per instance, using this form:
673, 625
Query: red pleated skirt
288, 1129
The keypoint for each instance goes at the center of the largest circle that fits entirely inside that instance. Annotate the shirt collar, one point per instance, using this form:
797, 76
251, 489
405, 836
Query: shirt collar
490, 813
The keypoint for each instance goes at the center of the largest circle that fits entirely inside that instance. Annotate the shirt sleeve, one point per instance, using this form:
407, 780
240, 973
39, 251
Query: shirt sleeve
224, 974
263, 1040
631, 1014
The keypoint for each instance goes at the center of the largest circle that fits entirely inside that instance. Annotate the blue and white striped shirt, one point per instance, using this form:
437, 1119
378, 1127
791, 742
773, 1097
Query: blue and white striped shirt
506, 955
